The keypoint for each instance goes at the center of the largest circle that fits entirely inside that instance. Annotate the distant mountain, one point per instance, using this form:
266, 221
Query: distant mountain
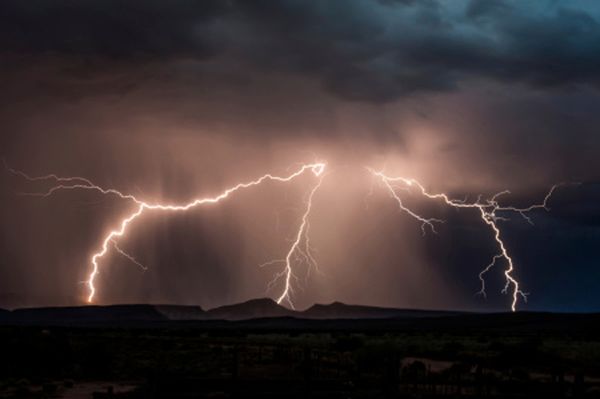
265, 315
263, 308
179, 312
14, 300
253, 309
87, 314
338, 310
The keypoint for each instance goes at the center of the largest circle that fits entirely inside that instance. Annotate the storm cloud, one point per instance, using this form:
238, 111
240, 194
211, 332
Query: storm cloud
174, 98
361, 50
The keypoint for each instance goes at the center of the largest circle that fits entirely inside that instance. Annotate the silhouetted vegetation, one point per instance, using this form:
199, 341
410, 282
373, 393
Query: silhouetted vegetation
233, 360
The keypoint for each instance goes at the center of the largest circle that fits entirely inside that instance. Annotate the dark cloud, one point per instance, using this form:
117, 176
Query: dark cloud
487, 10
113, 28
360, 50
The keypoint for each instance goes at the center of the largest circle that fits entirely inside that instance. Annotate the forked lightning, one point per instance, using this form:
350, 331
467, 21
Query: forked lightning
488, 211
111, 238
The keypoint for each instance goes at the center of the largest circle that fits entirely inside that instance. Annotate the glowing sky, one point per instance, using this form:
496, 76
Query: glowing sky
169, 100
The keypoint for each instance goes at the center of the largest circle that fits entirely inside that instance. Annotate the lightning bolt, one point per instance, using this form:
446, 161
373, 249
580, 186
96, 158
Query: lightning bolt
111, 238
130, 257
488, 212
300, 250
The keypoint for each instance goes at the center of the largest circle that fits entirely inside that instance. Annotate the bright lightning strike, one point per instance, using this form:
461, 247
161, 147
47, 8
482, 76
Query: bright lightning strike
75, 182
488, 211
300, 249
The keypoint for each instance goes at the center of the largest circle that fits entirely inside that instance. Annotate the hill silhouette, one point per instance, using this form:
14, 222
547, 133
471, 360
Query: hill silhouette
252, 309
266, 315
262, 308
85, 314
339, 310
180, 312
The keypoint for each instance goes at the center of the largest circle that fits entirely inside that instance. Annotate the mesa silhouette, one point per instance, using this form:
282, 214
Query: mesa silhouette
265, 314
254, 309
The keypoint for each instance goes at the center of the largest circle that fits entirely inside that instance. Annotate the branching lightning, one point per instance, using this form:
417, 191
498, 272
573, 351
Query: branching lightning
300, 251
126, 255
488, 211
111, 238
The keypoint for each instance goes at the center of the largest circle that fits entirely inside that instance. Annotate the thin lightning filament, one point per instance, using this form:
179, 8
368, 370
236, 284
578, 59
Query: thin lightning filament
488, 212
142, 207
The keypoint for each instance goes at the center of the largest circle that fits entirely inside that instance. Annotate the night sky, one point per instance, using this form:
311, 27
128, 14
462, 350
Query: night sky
169, 100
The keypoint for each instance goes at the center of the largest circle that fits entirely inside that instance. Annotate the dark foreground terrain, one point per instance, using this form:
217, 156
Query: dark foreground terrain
180, 352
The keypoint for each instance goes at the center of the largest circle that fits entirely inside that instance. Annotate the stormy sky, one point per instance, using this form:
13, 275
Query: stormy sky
171, 100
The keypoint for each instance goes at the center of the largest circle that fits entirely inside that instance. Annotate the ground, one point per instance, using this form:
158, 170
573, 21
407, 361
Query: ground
325, 359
